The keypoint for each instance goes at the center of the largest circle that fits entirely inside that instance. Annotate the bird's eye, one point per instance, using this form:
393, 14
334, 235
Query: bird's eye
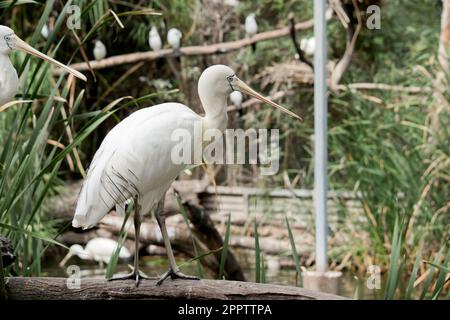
230, 78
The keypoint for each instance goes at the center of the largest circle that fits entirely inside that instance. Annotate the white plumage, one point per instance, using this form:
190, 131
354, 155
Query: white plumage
9, 81
135, 160
308, 45
174, 38
251, 27
236, 98
154, 40
99, 50
97, 249
45, 31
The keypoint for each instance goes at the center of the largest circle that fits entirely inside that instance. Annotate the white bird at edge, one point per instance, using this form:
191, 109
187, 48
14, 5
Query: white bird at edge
135, 162
99, 50
9, 80
174, 38
154, 40
97, 249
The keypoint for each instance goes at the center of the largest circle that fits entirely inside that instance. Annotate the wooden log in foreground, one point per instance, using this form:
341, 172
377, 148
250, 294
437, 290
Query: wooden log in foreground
22, 288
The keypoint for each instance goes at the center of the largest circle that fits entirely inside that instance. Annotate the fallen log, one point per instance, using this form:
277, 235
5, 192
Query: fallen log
22, 288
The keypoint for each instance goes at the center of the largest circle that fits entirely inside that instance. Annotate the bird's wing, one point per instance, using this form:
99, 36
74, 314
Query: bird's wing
133, 160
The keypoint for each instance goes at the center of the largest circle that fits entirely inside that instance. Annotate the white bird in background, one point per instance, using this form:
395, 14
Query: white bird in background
154, 40
251, 27
135, 160
308, 46
99, 50
174, 38
45, 31
97, 249
9, 81
236, 98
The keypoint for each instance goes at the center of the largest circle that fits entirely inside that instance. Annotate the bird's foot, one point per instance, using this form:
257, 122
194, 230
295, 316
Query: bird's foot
135, 275
175, 275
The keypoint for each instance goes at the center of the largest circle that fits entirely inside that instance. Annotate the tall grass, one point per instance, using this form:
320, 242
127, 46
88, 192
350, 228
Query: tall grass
40, 140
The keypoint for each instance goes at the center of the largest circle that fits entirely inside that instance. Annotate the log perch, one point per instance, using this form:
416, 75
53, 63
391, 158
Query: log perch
23, 288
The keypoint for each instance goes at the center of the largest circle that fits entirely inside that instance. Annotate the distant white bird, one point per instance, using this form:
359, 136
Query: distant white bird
154, 40
236, 98
135, 160
308, 45
99, 50
251, 27
9, 81
174, 38
45, 31
97, 249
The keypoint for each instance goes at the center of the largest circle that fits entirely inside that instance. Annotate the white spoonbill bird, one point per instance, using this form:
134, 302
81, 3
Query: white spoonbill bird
154, 40
9, 81
135, 159
97, 249
174, 38
308, 45
99, 50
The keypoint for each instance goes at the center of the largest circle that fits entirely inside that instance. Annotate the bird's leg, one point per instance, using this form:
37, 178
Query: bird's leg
174, 272
135, 275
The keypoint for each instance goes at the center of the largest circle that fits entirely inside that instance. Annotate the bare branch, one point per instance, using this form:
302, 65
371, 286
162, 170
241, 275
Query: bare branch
218, 48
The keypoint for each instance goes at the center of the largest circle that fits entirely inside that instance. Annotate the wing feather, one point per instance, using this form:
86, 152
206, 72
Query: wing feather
133, 160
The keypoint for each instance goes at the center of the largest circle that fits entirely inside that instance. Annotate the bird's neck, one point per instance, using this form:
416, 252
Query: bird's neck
215, 106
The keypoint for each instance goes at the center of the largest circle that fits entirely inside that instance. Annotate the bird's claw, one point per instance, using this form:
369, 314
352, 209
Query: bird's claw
136, 276
175, 275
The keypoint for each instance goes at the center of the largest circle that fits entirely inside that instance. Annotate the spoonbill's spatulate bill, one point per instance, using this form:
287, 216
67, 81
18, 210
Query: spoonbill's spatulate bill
9, 81
135, 161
